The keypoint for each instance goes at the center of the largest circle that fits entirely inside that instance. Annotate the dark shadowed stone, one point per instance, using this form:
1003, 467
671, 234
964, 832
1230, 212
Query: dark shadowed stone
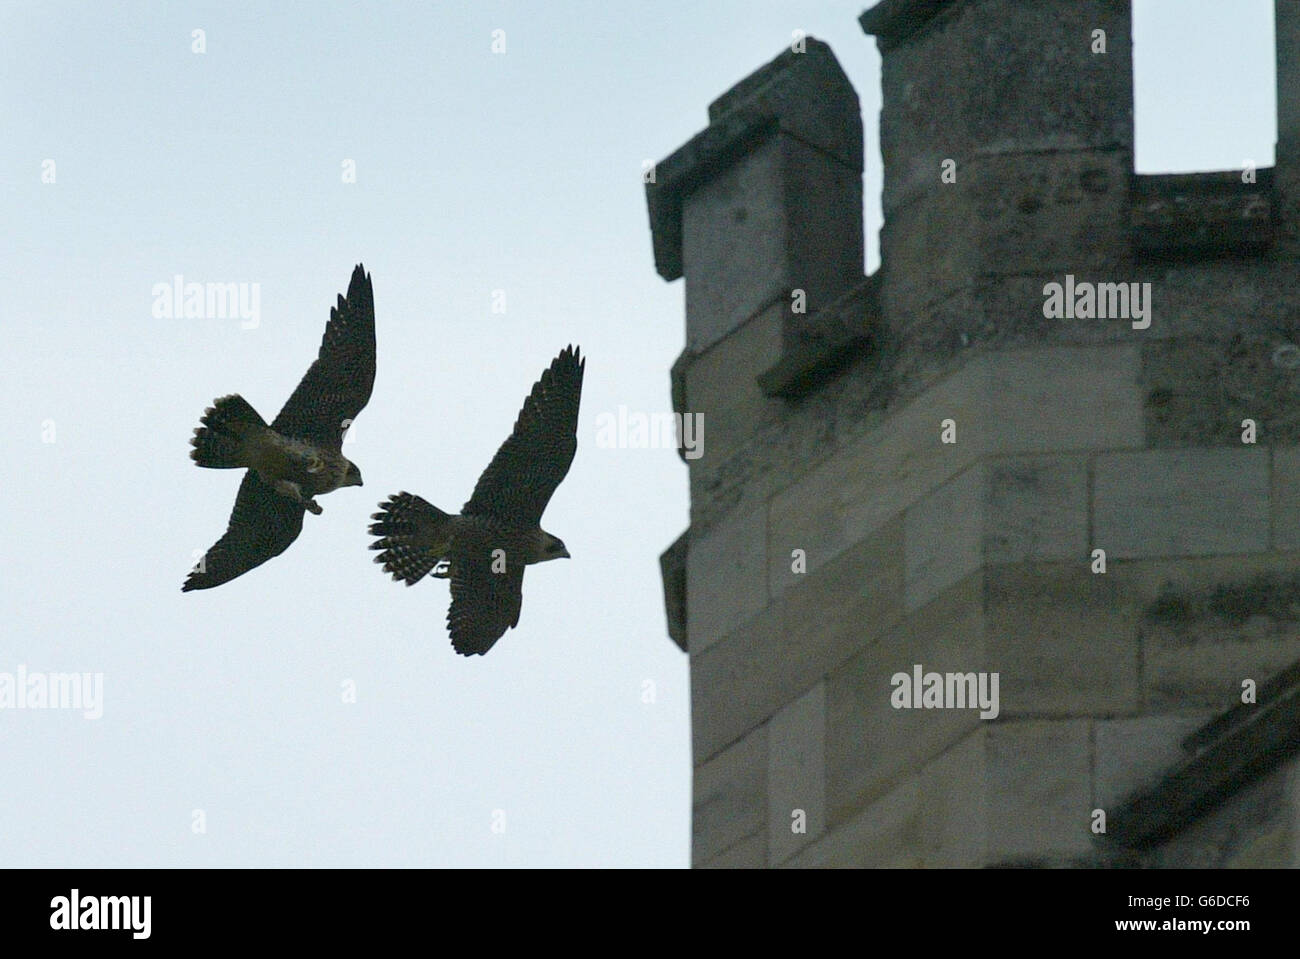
1201, 390
1015, 77
1201, 214
894, 21
672, 569
818, 345
1226, 755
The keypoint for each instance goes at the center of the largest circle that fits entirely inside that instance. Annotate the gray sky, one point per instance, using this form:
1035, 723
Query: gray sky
475, 172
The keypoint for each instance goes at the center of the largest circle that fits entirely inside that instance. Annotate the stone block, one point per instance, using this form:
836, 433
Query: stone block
931, 248
871, 746
1007, 215
887, 834
796, 774
1050, 214
749, 853
943, 536
1016, 77
1059, 398
783, 216
1037, 509
1005, 793
726, 577
875, 477
734, 251
730, 797
824, 203
1200, 390
1181, 502
1285, 513
722, 387
954, 806
1209, 623
734, 688
1063, 639
776, 656
1039, 783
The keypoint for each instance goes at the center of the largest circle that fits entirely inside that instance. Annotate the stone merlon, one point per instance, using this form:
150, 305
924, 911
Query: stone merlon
894, 20
767, 199
805, 95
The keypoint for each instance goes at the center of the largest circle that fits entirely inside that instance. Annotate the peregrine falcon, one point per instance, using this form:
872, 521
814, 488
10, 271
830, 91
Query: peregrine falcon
300, 455
484, 550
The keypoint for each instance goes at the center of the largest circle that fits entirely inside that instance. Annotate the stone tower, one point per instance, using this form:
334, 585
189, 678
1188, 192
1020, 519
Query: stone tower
1052, 441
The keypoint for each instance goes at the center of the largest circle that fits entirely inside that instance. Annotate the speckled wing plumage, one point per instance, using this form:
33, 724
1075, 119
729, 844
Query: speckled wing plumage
262, 525
484, 604
338, 384
511, 496
528, 467
501, 521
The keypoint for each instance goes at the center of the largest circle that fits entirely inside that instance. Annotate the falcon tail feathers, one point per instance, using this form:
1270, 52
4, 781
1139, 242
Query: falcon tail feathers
219, 442
415, 536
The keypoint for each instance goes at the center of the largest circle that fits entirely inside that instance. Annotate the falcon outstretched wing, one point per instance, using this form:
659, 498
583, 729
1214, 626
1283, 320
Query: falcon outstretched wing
530, 464
484, 604
262, 526
338, 384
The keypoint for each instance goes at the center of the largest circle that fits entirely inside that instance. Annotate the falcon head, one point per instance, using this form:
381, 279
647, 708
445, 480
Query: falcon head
552, 548
353, 476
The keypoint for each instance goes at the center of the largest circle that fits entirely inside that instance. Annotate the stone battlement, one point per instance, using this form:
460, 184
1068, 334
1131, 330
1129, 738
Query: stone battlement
1057, 357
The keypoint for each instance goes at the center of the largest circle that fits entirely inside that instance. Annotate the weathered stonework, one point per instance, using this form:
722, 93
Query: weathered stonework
926, 470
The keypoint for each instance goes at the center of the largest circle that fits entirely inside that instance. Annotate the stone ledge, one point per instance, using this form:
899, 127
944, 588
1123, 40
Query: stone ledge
1201, 214
672, 569
827, 342
894, 21
1227, 754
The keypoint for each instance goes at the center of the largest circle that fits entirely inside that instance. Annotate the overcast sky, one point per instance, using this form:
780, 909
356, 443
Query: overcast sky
226, 736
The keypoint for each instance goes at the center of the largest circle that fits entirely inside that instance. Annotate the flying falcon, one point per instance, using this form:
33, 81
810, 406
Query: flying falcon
300, 455
484, 550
